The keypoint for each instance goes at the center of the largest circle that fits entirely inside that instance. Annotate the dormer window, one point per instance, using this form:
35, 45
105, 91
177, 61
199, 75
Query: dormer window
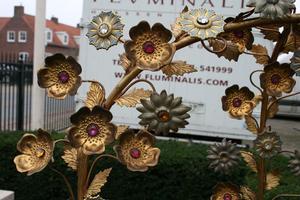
66, 39
49, 36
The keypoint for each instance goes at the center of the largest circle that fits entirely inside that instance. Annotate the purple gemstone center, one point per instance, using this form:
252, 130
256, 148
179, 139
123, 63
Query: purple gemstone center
63, 76
92, 130
227, 197
135, 153
237, 102
148, 47
238, 34
275, 79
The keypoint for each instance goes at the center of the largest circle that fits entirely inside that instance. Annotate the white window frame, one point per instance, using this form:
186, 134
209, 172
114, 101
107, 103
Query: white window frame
25, 56
19, 37
8, 36
51, 36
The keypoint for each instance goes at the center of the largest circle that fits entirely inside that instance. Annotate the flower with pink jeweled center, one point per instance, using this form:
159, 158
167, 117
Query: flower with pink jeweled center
136, 151
92, 130
226, 191
60, 76
238, 102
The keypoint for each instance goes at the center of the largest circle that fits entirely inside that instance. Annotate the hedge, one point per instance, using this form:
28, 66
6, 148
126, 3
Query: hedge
182, 173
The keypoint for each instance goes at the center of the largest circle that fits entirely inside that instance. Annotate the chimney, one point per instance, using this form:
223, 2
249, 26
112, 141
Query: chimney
54, 19
19, 11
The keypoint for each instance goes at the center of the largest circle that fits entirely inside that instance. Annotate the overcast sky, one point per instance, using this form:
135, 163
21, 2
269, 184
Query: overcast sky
68, 11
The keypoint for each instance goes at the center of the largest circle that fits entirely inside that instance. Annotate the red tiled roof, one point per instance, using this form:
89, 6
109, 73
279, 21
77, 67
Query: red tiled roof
72, 31
3, 21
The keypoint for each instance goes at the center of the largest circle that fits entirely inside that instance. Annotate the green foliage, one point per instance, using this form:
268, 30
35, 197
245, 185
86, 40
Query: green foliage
182, 173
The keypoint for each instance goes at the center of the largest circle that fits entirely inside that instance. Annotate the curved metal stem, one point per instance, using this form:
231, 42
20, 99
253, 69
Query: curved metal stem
93, 165
290, 95
60, 140
121, 40
287, 152
66, 182
212, 51
135, 82
286, 195
256, 122
266, 29
255, 54
251, 80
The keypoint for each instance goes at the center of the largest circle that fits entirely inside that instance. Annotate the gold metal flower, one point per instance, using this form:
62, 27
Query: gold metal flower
277, 78
149, 48
163, 113
226, 192
60, 77
238, 102
137, 151
243, 38
268, 144
201, 23
105, 30
92, 130
37, 152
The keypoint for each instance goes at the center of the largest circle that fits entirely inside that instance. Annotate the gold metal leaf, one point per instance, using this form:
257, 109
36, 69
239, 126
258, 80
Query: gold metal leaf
293, 41
95, 96
120, 129
99, 180
249, 159
247, 193
257, 99
231, 52
251, 124
272, 180
178, 68
274, 108
131, 99
271, 32
260, 53
125, 62
70, 157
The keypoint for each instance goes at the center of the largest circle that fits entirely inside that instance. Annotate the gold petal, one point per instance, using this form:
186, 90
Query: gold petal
139, 29
76, 138
75, 65
57, 91
80, 115
152, 157
91, 147
164, 34
24, 163
26, 143
45, 78
55, 60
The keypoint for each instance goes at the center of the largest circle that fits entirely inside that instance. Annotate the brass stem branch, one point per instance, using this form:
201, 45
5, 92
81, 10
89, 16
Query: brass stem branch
280, 44
252, 82
82, 170
69, 187
135, 82
277, 100
93, 165
294, 18
286, 195
261, 178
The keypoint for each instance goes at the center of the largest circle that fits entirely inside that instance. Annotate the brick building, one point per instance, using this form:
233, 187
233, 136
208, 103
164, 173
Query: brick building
17, 36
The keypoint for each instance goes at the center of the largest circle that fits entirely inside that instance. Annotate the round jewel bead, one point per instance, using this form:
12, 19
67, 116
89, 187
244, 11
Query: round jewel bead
239, 34
103, 29
202, 20
135, 153
268, 146
275, 79
237, 102
148, 47
227, 197
164, 116
92, 130
63, 77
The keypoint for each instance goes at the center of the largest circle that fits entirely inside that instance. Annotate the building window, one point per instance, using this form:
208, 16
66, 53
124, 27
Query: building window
23, 56
22, 36
11, 36
66, 39
49, 36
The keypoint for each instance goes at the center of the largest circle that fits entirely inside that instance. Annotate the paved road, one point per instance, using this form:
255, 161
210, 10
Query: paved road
289, 131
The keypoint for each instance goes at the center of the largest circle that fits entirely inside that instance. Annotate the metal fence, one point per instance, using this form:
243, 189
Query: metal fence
16, 77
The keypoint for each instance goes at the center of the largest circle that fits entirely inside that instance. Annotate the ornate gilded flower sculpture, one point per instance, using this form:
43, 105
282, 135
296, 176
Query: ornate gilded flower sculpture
92, 130
136, 151
60, 77
105, 30
243, 38
277, 78
238, 102
223, 156
201, 23
226, 192
295, 65
272, 9
36, 152
268, 144
294, 163
163, 113
149, 48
